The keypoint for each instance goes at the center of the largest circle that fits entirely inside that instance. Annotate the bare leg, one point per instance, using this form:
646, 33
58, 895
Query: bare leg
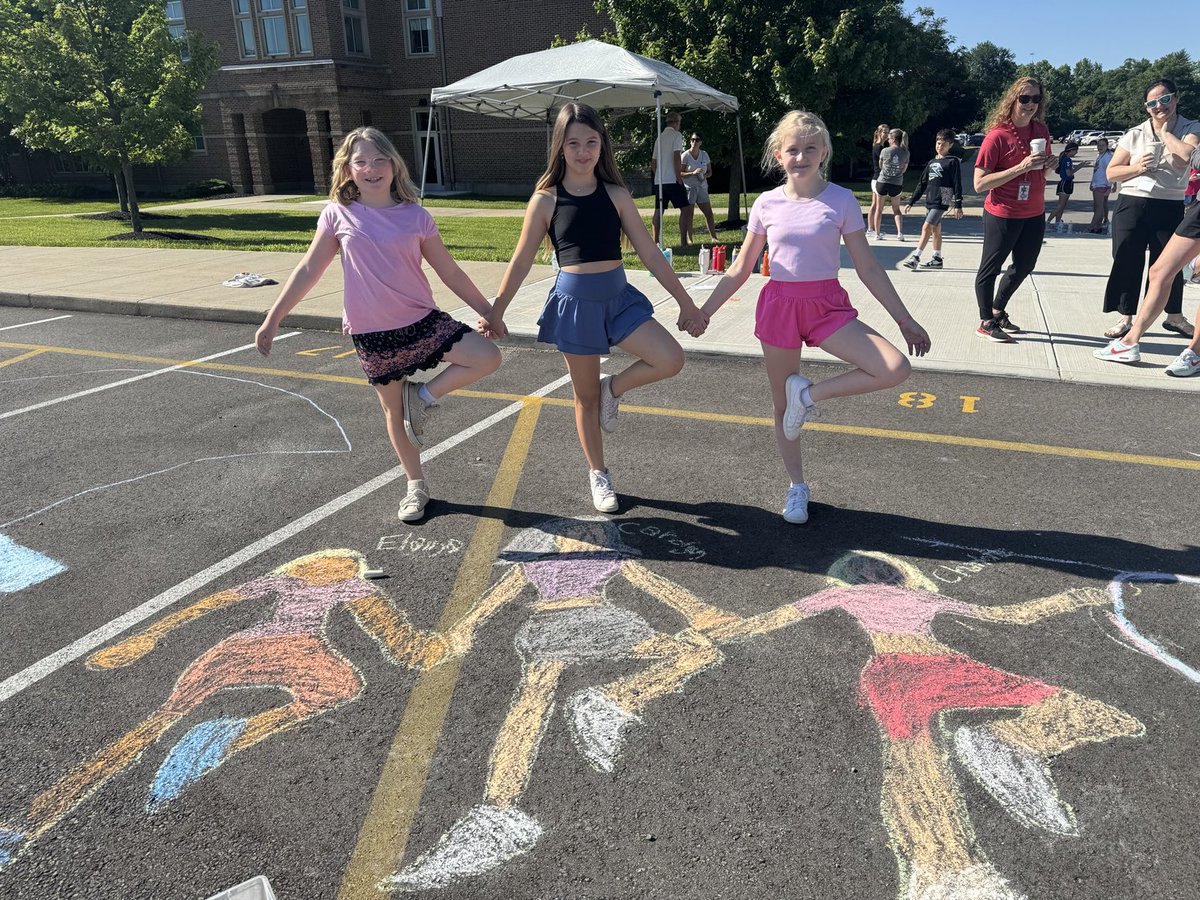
659, 356
782, 362
897, 216
1097, 211
1169, 263
391, 398
472, 358
877, 363
707, 209
685, 224
585, 383
937, 238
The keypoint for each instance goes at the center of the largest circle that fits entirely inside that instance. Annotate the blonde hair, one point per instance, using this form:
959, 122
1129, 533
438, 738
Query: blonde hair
342, 188
804, 122
556, 165
1003, 110
881, 132
899, 137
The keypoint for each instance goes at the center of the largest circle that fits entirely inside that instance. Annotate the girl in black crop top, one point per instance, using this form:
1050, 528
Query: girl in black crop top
582, 205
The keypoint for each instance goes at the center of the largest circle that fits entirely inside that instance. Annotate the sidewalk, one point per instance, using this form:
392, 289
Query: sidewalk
1059, 306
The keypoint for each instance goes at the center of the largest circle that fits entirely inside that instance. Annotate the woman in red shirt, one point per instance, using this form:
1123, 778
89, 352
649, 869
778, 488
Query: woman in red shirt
1014, 177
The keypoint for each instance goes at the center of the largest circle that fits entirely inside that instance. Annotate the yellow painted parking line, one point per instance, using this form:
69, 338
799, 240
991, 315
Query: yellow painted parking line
24, 356
859, 431
384, 834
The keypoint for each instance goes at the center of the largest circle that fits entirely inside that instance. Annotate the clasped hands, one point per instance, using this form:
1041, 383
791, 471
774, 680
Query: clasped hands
693, 320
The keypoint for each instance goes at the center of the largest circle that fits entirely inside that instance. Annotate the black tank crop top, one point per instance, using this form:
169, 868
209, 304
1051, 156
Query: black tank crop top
585, 229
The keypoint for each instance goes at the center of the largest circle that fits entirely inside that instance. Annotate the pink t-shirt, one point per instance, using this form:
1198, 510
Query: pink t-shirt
384, 287
804, 236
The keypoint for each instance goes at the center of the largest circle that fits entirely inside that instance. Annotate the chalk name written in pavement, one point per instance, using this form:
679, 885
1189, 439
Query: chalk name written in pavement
978, 562
415, 544
680, 546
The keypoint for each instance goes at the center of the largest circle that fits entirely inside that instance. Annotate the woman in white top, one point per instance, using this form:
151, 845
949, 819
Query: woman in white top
697, 169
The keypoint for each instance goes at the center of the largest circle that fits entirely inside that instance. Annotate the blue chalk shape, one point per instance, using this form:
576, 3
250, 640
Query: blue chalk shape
21, 567
201, 749
10, 844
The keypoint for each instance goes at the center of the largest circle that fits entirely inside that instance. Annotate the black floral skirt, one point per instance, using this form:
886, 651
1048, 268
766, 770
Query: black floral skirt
388, 356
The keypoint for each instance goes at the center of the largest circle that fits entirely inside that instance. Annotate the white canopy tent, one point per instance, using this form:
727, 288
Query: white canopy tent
533, 86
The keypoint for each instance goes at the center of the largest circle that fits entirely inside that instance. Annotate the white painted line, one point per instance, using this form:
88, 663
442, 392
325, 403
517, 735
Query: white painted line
34, 673
38, 322
144, 375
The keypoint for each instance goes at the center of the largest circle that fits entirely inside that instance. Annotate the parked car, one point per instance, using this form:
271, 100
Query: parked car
1077, 135
1089, 139
1113, 136
972, 140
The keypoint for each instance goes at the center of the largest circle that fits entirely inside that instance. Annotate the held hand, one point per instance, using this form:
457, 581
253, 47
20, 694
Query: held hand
493, 327
907, 208
1033, 161
264, 336
692, 320
1145, 164
958, 214
915, 336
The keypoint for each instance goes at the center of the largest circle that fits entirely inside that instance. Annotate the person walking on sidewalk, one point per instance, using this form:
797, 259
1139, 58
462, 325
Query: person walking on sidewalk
875, 214
941, 186
1066, 183
804, 221
1183, 247
1151, 163
582, 203
1011, 168
893, 163
383, 234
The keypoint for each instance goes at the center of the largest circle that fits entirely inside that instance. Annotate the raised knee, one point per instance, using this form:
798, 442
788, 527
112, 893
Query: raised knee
673, 363
899, 371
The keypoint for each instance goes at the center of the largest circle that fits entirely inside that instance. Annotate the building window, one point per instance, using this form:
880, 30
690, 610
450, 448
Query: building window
355, 21
200, 144
418, 25
300, 26
177, 27
274, 27
244, 25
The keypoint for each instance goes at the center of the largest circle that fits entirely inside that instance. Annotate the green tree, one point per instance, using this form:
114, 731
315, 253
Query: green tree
990, 70
104, 79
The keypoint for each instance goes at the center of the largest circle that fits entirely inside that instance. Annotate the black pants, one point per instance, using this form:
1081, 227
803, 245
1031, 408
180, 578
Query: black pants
1020, 237
1140, 224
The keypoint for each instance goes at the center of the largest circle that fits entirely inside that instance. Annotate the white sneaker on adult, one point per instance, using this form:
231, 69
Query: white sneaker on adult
795, 507
795, 412
1116, 351
604, 498
610, 406
1185, 366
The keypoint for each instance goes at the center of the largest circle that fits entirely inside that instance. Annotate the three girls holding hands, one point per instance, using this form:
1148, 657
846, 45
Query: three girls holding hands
582, 205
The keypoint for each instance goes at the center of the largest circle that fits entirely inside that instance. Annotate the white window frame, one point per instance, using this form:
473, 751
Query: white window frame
301, 32
415, 10
421, 115
177, 26
243, 28
277, 21
357, 12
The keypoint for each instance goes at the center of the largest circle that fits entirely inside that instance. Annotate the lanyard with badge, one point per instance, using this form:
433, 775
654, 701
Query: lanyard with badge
1023, 188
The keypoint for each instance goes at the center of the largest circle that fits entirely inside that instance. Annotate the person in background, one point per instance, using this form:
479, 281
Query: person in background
1151, 164
697, 169
1066, 183
941, 185
667, 167
876, 212
1013, 174
1101, 188
893, 163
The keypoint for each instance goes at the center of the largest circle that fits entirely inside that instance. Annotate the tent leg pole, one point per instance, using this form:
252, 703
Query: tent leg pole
742, 166
659, 211
425, 155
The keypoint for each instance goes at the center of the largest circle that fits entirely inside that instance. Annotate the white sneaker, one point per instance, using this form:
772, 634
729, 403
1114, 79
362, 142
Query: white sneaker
870, 234
1115, 351
796, 412
604, 498
795, 508
1187, 365
416, 413
610, 406
412, 507
881, 236
911, 261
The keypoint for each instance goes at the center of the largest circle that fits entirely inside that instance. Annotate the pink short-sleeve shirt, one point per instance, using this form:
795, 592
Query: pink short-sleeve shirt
384, 287
804, 236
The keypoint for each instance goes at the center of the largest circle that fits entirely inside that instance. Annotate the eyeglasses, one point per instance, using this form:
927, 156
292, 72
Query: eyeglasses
361, 165
1030, 98
695, 140
1161, 101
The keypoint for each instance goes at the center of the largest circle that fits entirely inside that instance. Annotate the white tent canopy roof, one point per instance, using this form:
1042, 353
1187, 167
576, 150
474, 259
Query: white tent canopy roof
591, 72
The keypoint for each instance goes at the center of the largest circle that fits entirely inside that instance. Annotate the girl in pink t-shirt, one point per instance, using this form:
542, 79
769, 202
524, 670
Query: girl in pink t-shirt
804, 221
389, 311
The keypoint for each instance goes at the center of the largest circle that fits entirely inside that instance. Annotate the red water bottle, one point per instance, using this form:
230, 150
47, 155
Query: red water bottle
720, 267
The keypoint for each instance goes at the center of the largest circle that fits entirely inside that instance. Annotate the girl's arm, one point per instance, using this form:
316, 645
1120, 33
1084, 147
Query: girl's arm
1179, 148
735, 276
533, 232
690, 317
316, 260
871, 273
1043, 608
452, 275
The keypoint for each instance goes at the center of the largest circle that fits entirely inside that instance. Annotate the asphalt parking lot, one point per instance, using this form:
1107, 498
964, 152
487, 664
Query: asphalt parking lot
949, 683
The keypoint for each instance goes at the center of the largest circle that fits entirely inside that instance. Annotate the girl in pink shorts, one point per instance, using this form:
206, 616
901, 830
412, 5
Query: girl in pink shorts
804, 221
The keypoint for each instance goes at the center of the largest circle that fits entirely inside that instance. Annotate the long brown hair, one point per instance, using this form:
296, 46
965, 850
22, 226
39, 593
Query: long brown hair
342, 188
556, 165
1002, 111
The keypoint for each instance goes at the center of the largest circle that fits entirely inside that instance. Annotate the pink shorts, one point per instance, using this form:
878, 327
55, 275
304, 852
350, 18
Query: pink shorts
793, 313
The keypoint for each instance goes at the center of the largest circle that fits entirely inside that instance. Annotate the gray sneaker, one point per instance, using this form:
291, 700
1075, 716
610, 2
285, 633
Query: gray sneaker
1186, 365
610, 406
416, 413
412, 507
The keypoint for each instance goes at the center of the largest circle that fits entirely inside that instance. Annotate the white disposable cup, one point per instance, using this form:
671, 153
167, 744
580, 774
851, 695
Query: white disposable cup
1037, 146
1155, 149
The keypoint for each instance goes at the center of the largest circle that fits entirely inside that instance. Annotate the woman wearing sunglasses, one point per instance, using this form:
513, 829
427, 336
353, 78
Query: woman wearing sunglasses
697, 169
1011, 168
1151, 163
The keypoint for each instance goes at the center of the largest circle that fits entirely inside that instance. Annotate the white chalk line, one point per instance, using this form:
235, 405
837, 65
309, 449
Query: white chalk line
116, 384
38, 322
35, 672
115, 484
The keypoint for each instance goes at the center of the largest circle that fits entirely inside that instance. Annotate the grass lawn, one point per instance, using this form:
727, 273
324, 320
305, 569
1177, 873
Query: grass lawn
50, 206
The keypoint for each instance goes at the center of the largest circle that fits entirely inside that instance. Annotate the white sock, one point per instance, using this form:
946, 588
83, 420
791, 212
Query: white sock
937, 254
796, 484
424, 394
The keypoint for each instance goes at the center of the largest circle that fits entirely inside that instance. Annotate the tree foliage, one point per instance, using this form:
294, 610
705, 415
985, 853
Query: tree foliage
102, 78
